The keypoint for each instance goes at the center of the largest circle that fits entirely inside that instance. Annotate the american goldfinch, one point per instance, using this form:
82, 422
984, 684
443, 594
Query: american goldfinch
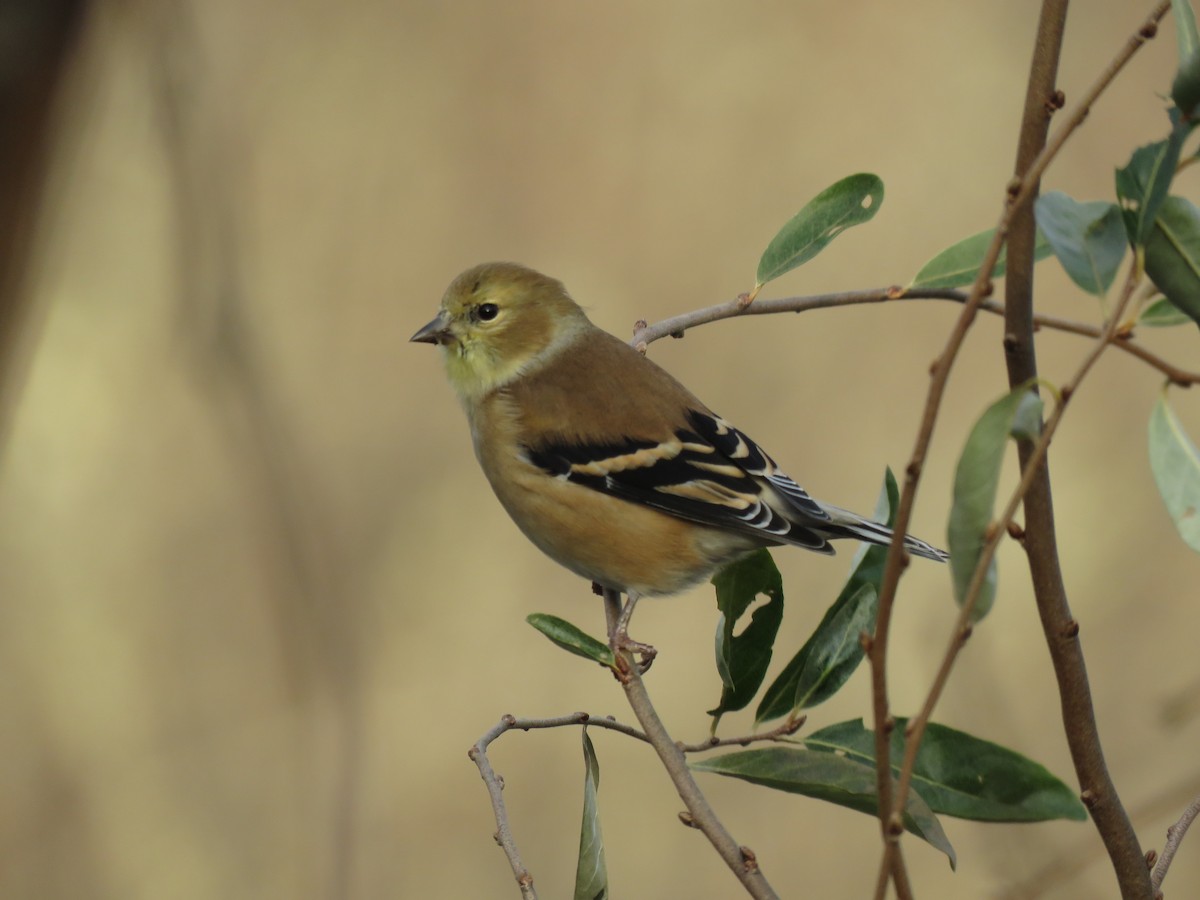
607, 463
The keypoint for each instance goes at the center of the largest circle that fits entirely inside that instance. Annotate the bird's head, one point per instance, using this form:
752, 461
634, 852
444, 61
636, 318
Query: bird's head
498, 320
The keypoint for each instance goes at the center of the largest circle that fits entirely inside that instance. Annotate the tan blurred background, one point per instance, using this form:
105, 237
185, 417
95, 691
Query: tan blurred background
257, 599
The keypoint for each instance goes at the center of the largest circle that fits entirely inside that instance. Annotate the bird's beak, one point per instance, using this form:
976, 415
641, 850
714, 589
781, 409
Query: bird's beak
435, 332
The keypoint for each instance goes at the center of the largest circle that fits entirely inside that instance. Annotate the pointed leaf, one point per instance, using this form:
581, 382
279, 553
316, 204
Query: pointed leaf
957, 265
849, 202
1142, 185
742, 659
975, 483
837, 651
1176, 467
572, 639
1088, 238
1185, 90
1162, 313
785, 692
825, 776
960, 775
591, 874
1173, 255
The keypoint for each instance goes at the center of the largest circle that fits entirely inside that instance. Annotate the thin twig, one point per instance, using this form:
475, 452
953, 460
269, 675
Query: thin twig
740, 860
495, 784
495, 787
1174, 837
1068, 863
1019, 193
784, 731
1060, 629
676, 325
997, 531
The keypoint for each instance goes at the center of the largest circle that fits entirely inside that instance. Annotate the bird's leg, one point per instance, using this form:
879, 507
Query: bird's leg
618, 617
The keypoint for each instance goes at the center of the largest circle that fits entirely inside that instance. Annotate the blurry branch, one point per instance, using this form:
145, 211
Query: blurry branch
1034, 155
675, 326
1059, 626
1174, 837
203, 146
740, 860
1031, 468
1069, 864
37, 41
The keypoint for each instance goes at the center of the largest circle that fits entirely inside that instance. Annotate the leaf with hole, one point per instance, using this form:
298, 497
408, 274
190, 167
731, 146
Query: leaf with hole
849, 202
742, 659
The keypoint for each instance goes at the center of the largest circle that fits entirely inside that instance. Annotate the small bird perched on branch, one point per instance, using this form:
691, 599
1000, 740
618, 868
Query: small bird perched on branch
607, 463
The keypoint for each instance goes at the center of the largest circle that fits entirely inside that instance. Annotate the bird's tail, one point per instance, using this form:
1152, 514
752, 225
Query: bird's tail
852, 525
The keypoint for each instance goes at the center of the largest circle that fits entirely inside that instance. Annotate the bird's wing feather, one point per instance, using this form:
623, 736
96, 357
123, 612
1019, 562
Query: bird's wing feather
709, 473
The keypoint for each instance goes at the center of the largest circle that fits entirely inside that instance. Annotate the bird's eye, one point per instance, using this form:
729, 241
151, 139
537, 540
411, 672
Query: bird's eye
487, 311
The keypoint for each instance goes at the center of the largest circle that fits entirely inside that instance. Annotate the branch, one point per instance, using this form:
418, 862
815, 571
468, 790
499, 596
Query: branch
741, 860
495, 784
784, 731
1058, 624
1031, 470
1020, 192
1174, 838
495, 787
675, 326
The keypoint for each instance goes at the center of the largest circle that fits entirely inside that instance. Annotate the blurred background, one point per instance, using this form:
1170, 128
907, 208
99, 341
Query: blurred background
256, 599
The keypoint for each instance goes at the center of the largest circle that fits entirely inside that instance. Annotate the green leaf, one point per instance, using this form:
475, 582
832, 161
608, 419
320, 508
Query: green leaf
957, 265
591, 874
1173, 255
571, 639
825, 776
1142, 185
742, 660
1088, 238
836, 651
1162, 313
1185, 90
849, 202
806, 680
975, 484
960, 775
1176, 467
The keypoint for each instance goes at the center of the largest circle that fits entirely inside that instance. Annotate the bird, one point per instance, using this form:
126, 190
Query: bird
609, 465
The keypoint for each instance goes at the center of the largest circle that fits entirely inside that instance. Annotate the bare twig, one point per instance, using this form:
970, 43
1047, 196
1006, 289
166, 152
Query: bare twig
784, 731
495, 787
1019, 194
495, 784
999, 529
646, 334
1068, 863
1174, 837
740, 860
1059, 626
